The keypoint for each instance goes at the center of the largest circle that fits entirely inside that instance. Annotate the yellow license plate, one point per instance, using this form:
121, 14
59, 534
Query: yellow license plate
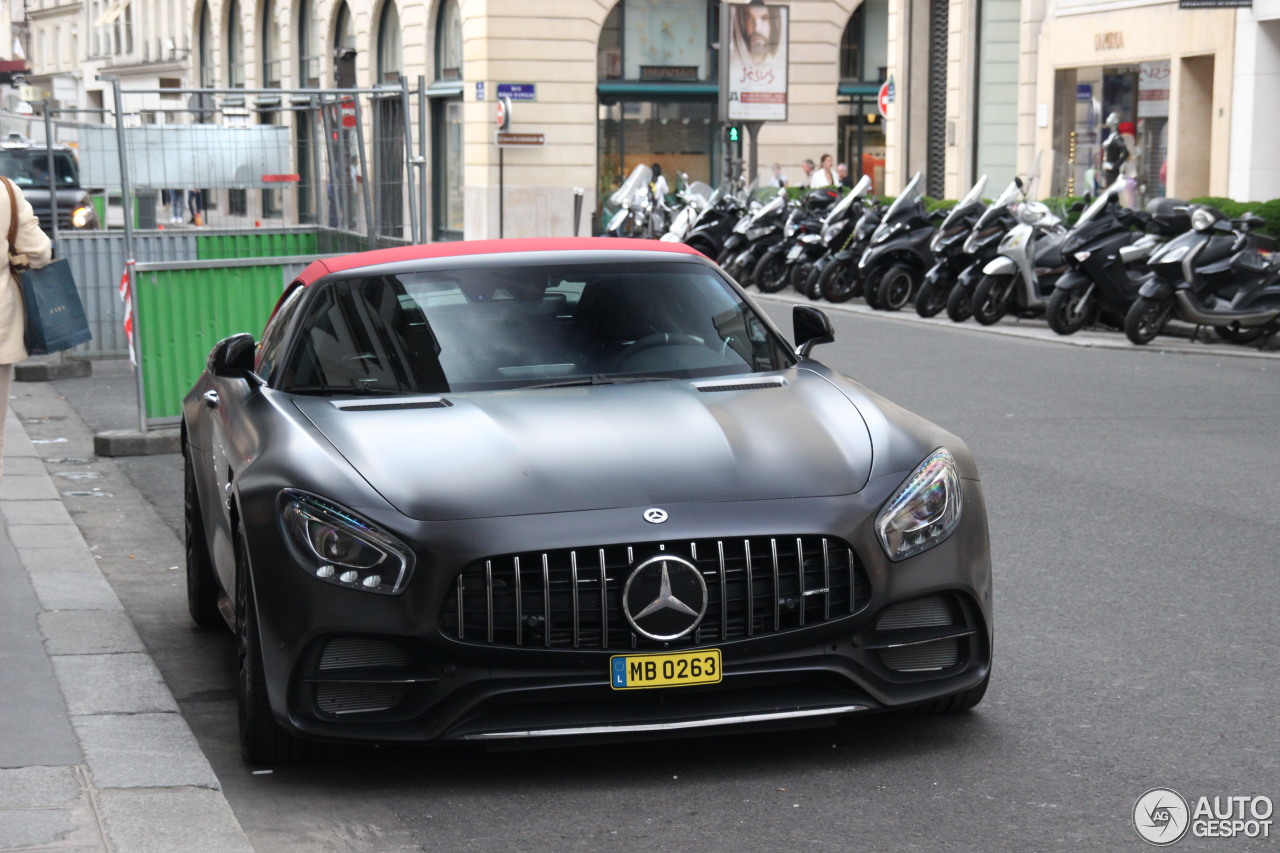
629, 672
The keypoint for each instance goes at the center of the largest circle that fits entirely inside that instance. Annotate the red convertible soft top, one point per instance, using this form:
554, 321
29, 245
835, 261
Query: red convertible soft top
318, 269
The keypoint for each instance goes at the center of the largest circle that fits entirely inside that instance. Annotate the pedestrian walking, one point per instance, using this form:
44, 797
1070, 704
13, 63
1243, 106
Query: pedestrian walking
177, 205
30, 248
806, 166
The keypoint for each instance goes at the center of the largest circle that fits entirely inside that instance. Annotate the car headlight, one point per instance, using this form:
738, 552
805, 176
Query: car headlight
1202, 220
925, 509
336, 546
83, 217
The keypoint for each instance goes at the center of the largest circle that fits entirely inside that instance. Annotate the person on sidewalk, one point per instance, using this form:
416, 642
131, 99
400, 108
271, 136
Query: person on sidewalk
34, 244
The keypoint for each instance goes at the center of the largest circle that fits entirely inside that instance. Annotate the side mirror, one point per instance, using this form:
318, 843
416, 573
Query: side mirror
1077, 207
812, 327
233, 356
1017, 181
938, 216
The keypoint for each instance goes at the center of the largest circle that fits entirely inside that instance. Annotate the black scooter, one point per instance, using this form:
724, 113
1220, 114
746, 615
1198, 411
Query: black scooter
841, 279
714, 225
1106, 259
947, 245
776, 266
836, 234
983, 245
755, 232
1220, 273
894, 264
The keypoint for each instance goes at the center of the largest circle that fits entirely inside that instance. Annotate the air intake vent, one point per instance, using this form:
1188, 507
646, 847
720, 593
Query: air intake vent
922, 613
928, 657
357, 653
437, 403
342, 699
740, 386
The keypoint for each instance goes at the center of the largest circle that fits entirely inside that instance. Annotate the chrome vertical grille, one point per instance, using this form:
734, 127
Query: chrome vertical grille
572, 598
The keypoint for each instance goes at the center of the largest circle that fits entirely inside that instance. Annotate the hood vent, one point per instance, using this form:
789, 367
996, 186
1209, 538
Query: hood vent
742, 386
434, 403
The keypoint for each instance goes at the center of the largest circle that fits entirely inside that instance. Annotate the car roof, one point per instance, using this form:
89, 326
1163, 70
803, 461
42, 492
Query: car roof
470, 248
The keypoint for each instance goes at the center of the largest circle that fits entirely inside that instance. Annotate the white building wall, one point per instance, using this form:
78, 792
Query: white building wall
1255, 127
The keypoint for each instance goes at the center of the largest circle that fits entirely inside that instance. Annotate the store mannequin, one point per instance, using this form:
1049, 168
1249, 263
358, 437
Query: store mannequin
1114, 151
1129, 169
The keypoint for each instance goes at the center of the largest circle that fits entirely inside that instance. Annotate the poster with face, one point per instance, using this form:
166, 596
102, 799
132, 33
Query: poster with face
757, 81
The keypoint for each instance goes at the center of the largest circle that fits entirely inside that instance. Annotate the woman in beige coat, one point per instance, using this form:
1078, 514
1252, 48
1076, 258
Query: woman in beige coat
33, 243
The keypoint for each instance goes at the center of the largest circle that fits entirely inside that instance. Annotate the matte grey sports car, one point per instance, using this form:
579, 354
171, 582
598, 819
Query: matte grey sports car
569, 487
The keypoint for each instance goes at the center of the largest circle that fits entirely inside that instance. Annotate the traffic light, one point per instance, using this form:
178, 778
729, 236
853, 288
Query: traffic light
732, 137
733, 134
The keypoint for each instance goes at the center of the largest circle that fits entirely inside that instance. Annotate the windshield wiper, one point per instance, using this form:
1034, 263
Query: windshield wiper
601, 379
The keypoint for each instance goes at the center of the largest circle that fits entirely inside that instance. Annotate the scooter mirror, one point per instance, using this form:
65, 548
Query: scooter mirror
1017, 181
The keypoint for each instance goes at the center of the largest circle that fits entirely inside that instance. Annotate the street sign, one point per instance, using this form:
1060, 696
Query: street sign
882, 100
518, 91
479, 91
506, 139
503, 112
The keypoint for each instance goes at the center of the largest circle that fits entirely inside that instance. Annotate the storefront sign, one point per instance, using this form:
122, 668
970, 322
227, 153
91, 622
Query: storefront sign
1153, 89
1113, 40
518, 91
1084, 92
668, 72
757, 78
1213, 4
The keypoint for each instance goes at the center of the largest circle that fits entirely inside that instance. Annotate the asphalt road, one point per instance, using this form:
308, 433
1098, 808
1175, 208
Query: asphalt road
1132, 500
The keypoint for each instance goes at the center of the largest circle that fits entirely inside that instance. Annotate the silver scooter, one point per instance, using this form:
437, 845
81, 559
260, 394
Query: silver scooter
1030, 262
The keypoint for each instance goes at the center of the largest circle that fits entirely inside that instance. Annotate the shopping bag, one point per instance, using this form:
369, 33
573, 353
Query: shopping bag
54, 314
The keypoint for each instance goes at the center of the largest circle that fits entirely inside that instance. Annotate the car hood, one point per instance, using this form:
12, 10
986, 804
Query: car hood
520, 452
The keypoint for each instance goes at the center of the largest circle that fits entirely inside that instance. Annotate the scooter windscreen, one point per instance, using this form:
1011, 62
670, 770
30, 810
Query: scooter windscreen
635, 182
1099, 204
859, 189
972, 197
911, 193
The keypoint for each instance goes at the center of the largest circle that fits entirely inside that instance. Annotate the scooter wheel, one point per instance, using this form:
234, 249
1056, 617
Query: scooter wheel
1070, 311
871, 288
959, 303
772, 273
896, 287
931, 299
1237, 334
839, 281
1146, 319
992, 298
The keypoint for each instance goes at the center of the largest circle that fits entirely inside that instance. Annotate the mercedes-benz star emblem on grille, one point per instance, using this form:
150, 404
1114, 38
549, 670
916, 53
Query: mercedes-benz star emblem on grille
665, 598
655, 515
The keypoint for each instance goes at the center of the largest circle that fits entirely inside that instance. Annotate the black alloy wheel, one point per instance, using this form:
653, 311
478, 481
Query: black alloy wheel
1071, 310
262, 739
992, 298
959, 303
813, 284
896, 287
931, 299
800, 276
840, 280
1146, 319
202, 583
871, 287
771, 273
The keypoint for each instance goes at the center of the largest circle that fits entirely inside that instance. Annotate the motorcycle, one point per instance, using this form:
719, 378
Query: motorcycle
695, 197
837, 231
841, 279
1221, 273
715, 223
1029, 264
634, 199
1107, 259
983, 246
755, 232
894, 264
777, 266
947, 246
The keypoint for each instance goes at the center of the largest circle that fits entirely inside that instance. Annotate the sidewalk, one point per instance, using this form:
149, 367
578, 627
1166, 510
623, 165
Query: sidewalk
94, 755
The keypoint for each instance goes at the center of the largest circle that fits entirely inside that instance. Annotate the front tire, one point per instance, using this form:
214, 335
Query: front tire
1237, 334
896, 287
959, 303
1146, 319
839, 281
931, 299
992, 298
202, 582
871, 287
1070, 311
262, 739
771, 273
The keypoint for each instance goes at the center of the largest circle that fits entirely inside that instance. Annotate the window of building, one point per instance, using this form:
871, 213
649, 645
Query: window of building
446, 120
390, 53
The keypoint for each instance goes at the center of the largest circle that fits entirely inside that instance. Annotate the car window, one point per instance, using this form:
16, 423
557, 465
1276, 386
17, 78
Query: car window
504, 327
274, 335
29, 167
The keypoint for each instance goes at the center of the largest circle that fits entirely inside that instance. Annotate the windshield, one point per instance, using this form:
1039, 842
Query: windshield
29, 167
998, 208
1103, 199
973, 196
635, 182
484, 328
859, 189
911, 193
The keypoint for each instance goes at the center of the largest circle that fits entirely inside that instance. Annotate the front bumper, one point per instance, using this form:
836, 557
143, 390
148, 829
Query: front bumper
347, 665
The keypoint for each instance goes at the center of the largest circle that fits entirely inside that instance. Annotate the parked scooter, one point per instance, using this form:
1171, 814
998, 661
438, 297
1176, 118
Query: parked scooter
1107, 259
755, 232
1220, 274
894, 264
635, 205
774, 270
983, 246
715, 223
947, 245
841, 278
1030, 262
694, 198
838, 231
